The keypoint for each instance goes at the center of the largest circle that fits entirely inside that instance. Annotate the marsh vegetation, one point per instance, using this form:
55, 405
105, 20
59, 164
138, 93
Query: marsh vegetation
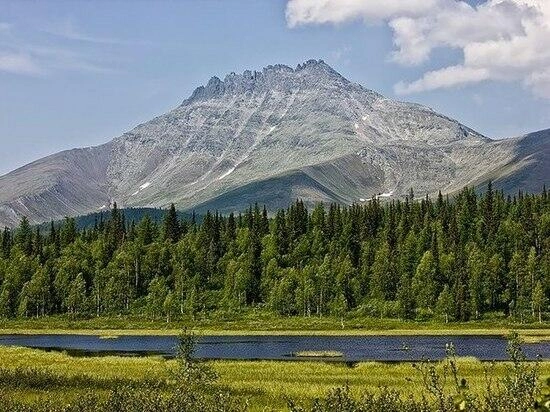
57, 382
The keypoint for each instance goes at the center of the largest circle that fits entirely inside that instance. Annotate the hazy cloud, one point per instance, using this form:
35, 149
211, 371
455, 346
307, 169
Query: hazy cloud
19, 64
502, 40
341, 55
69, 30
13, 60
18, 55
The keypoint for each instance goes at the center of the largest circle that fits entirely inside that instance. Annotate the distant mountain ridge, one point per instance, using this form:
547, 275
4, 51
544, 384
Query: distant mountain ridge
270, 137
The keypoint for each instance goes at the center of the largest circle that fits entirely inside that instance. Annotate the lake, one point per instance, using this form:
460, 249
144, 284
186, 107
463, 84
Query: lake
353, 348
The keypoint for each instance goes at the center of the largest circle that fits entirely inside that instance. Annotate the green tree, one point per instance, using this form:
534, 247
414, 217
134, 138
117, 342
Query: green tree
282, 298
68, 231
77, 296
423, 282
169, 306
381, 283
477, 276
305, 290
23, 236
156, 296
5, 303
539, 300
462, 256
6, 243
145, 231
192, 302
339, 307
445, 305
171, 227
23, 308
323, 283
532, 274
518, 287
254, 268
405, 297
38, 291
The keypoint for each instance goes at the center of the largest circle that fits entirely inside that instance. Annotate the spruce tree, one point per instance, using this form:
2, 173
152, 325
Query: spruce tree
171, 226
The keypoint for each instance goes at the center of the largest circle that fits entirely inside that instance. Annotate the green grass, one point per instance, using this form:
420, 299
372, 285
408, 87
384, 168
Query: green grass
95, 370
262, 383
264, 323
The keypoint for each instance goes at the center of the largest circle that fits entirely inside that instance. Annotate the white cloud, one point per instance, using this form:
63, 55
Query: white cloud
447, 77
503, 40
338, 11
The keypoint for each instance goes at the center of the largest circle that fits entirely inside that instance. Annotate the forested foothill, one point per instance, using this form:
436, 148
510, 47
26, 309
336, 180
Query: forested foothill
467, 257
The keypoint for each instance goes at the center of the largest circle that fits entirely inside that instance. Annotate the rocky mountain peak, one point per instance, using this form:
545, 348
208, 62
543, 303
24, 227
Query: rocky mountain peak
311, 74
317, 66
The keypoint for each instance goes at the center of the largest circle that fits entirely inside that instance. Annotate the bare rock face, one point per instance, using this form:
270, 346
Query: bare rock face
270, 137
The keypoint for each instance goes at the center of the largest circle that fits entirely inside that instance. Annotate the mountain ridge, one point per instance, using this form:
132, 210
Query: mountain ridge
306, 131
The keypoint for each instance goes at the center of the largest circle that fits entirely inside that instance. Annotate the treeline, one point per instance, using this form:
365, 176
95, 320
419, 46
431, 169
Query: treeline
131, 213
453, 259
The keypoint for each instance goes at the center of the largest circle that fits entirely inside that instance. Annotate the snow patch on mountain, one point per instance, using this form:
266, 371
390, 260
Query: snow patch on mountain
142, 187
226, 173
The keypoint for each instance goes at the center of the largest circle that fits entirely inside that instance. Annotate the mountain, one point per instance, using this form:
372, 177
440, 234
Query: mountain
270, 137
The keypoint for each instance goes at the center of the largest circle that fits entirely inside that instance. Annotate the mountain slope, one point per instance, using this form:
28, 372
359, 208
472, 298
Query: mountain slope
529, 169
68, 183
270, 137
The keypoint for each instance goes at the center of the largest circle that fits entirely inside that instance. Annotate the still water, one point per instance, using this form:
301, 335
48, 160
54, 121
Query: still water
353, 348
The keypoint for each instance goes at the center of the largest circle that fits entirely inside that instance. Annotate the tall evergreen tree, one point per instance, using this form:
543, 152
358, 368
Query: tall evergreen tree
171, 227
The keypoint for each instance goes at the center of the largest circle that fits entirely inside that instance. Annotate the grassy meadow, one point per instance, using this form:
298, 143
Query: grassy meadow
265, 385
266, 323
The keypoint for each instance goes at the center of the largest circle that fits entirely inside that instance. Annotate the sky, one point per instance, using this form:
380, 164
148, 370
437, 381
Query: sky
79, 73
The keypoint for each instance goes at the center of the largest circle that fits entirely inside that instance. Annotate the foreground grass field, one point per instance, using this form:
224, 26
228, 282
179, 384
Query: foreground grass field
265, 385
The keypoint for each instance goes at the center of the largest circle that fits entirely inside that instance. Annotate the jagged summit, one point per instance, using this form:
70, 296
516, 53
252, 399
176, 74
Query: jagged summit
272, 136
273, 77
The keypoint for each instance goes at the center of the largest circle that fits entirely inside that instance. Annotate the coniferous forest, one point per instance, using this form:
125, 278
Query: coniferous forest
451, 258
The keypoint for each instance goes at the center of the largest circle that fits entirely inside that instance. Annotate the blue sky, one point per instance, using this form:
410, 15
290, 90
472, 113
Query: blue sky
77, 74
